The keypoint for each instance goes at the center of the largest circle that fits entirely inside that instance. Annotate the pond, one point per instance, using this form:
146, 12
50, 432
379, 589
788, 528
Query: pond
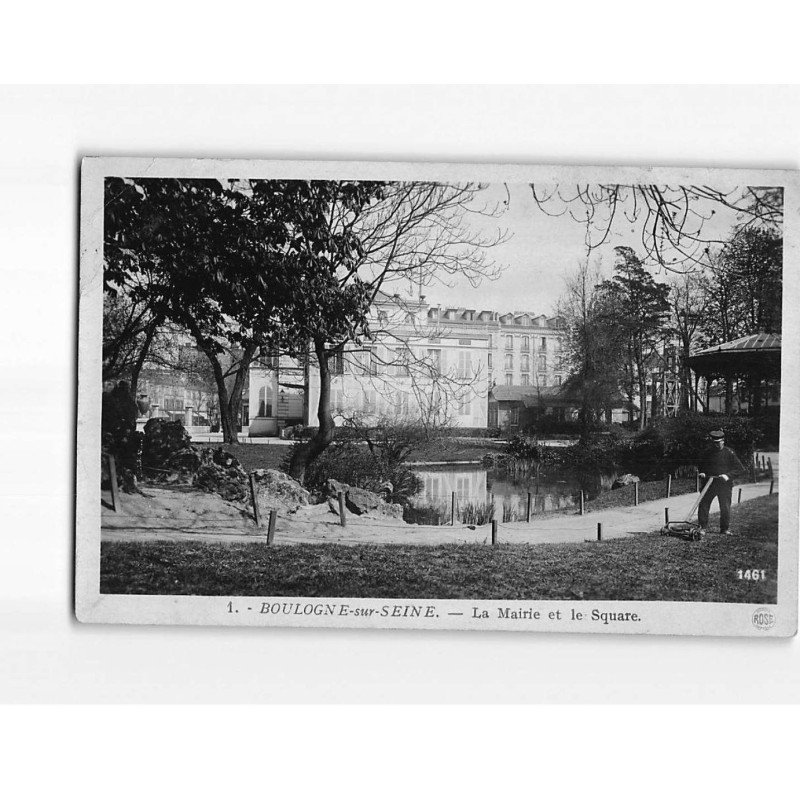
476, 484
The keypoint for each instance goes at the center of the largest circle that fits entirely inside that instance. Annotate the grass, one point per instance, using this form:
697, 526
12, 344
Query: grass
256, 456
646, 567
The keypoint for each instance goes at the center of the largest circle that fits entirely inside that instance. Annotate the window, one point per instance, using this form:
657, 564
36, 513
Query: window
401, 404
558, 380
435, 359
366, 361
509, 362
509, 379
368, 401
462, 488
513, 415
464, 364
542, 363
400, 362
544, 343
265, 402
490, 340
526, 343
465, 342
526, 380
337, 363
509, 342
526, 362
490, 361
465, 406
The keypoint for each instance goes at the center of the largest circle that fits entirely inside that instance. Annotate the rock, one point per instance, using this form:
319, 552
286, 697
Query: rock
164, 441
228, 482
333, 487
625, 480
277, 490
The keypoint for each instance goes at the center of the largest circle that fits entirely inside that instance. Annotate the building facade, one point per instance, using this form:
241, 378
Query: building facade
422, 362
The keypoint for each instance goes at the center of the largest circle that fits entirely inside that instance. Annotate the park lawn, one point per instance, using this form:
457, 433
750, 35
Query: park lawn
257, 456
645, 567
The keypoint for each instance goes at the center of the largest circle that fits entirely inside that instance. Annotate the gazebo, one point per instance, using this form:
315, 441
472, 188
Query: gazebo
756, 358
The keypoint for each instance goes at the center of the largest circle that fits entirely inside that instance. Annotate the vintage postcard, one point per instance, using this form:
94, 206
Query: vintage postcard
442, 396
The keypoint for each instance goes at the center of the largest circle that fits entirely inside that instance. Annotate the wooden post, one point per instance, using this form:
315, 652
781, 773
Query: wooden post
769, 468
582, 501
273, 516
494, 531
453, 508
112, 474
636, 493
669, 485
494, 507
528, 510
771, 486
342, 518
599, 531
254, 498
666, 515
739, 498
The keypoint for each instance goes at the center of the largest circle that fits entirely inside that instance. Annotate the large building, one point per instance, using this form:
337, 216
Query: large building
431, 363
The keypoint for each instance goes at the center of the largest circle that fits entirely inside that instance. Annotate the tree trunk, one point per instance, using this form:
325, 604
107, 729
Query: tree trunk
142, 357
306, 452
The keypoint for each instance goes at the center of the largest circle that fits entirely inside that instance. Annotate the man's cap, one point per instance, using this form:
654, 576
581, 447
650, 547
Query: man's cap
716, 435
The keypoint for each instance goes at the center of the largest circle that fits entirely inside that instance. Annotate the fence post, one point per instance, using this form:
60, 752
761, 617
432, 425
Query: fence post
666, 515
494, 507
636, 493
112, 474
582, 501
254, 498
669, 485
273, 515
341, 510
494, 531
528, 510
453, 508
739, 498
769, 468
599, 531
771, 485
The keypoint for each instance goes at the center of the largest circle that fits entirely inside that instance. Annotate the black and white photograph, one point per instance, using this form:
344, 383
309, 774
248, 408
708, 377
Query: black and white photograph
435, 396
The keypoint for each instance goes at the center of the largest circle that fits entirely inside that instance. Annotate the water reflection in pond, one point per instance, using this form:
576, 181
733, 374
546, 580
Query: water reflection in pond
476, 484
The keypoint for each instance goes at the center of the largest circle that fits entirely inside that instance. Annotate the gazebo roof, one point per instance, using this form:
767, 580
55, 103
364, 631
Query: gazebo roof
758, 353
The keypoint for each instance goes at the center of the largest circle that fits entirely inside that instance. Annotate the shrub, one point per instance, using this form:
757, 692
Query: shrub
354, 464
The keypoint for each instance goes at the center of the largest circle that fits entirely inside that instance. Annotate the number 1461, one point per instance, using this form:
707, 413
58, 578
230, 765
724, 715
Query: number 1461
751, 574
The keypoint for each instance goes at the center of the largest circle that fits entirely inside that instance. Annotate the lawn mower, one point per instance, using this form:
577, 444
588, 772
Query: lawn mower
686, 529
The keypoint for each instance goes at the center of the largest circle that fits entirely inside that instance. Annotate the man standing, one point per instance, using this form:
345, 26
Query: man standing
721, 464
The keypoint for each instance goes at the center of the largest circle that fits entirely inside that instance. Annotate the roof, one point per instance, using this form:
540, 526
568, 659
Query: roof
749, 344
530, 396
758, 354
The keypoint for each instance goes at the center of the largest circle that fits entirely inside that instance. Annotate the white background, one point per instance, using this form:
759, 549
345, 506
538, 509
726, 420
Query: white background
46, 656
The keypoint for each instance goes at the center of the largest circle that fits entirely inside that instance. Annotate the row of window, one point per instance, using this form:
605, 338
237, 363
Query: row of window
525, 343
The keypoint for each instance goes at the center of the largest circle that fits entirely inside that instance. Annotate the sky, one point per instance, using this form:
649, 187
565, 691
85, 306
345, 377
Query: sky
541, 251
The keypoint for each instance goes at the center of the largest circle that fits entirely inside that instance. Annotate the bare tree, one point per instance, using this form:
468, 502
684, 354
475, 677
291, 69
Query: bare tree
670, 219
416, 234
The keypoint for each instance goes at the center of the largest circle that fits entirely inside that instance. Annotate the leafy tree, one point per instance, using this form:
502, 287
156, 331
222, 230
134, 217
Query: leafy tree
744, 286
593, 347
639, 305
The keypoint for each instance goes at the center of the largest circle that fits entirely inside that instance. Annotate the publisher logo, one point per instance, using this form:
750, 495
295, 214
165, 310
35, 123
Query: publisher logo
763, 619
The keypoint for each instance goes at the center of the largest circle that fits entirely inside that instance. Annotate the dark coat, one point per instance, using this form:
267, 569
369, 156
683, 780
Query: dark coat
722, 462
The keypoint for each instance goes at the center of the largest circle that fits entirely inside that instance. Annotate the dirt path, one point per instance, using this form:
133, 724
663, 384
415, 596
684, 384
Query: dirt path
181, 516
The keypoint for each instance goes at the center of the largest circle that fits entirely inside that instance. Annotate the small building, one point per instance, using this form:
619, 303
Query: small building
749, 369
